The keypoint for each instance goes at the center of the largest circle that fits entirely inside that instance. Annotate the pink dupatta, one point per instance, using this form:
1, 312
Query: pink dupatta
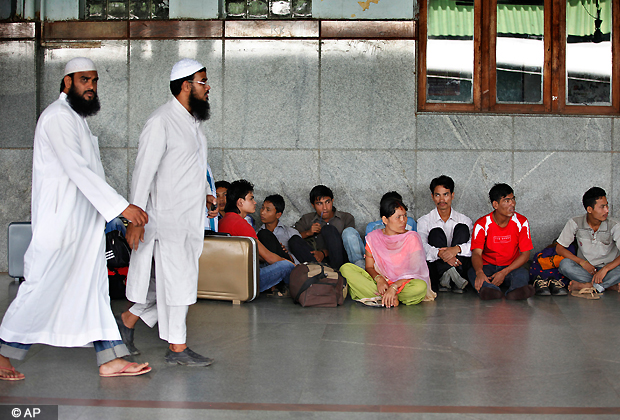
400, 257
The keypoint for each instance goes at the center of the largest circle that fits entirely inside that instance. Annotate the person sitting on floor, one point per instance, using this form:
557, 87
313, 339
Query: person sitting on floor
220, 195
598, 246
395, 262
352, 240
323, 228
282, 240
446, 235
500, 246
239, 203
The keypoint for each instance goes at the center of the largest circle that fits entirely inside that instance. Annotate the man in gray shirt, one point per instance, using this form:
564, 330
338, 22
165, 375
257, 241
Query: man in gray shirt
598, 246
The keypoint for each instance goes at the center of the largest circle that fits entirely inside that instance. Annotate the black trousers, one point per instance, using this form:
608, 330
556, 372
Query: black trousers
297, 246
332, 240
437, 238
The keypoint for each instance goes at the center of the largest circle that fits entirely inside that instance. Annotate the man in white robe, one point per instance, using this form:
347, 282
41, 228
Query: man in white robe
64, 301
170, 180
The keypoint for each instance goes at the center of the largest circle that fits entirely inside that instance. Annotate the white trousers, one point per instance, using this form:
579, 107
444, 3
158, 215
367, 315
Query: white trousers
171, 318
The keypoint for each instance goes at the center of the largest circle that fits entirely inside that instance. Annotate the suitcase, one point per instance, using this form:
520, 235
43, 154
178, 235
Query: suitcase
228, 269
19, 235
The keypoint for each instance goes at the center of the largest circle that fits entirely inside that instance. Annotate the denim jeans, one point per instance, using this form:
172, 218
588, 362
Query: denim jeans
106, 350
574, 271
354, 246
272, 274
515, 279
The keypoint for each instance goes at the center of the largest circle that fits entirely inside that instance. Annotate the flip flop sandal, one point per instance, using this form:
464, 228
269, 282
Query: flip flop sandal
586, 293
9, 378
123, 371
373, 301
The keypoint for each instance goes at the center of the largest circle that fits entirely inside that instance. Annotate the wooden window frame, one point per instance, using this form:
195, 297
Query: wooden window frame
554, 68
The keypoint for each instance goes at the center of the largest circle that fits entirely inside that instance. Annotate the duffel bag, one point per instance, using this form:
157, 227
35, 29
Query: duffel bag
318, 285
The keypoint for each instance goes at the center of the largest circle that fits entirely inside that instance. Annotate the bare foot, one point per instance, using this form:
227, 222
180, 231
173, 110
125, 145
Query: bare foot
575, 285
8, 372
615, 287
119, 364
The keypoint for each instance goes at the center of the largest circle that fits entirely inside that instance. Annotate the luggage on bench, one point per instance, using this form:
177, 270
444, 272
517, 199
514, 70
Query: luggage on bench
20, 234
228, 269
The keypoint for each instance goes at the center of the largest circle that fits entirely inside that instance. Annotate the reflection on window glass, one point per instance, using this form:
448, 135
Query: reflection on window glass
588, 52
268, 9
520, 51
126, 9
450, 51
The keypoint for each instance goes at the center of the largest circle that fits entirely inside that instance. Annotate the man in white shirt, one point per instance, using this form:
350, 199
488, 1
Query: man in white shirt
170, 180
446, 236
64, 301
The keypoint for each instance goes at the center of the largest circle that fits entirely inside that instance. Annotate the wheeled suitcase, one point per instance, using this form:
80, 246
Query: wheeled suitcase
228, 269
19, 236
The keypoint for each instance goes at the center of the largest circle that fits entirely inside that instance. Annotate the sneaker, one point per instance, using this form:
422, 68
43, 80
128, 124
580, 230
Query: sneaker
458, 281
444, 282
557, 287
187, 358
541, 287
127, 336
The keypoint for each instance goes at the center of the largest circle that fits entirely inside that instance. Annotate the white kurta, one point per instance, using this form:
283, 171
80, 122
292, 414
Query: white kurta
64, 300
170, 183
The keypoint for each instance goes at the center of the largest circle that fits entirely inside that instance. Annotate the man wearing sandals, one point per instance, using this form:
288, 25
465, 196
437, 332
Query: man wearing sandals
64, 301
598, 247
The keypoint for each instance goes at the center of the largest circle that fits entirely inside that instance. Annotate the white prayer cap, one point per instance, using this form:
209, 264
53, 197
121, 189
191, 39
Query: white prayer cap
79, 64
185, 67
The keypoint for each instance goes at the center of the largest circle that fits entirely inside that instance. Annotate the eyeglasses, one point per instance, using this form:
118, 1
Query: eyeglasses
200, 82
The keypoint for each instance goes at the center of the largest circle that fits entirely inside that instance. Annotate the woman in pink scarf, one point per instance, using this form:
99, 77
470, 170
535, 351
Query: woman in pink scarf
396, 269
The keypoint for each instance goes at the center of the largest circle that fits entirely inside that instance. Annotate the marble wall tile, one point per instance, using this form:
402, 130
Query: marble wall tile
17, 93
474, 173
616, 134
453, 132
368, 94
216, 162
562, 133
360, 178
549, 187
290, 173
271, 94
613, 196
16, 184
149, 87
110, 57
114, 162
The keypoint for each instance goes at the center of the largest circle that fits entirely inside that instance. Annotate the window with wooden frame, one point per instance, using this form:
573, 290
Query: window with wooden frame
519, 56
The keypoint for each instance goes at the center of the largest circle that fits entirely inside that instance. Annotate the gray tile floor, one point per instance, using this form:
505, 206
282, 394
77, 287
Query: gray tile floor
457, 357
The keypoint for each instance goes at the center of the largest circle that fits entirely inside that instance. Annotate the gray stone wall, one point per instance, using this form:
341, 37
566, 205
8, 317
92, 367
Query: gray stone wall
290, 114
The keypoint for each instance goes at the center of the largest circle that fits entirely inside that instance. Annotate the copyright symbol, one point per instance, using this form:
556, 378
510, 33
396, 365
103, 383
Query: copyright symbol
16, 412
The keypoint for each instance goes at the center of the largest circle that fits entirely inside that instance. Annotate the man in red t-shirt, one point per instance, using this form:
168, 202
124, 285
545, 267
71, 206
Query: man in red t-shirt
239, 203
500, 245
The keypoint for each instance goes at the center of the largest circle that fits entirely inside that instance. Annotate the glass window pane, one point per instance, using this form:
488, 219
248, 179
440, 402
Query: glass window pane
520, 51
450, 51
588, 52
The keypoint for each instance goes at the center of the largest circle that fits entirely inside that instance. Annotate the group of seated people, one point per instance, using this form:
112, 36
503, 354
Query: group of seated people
401, 261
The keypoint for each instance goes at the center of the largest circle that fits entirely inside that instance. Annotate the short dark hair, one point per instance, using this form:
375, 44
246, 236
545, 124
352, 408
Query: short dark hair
499, 191
443, 181
590, 197
278, 202
392, 194
238, 189
319, 192
62, 82
222, 184
388, 206
176, 85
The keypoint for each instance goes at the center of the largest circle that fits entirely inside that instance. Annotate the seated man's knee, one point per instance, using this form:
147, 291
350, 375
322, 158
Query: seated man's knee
350, 235
460, 235
437, 238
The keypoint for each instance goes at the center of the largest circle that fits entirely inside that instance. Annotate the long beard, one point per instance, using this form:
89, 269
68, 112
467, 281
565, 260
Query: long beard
82, 106
201, 110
